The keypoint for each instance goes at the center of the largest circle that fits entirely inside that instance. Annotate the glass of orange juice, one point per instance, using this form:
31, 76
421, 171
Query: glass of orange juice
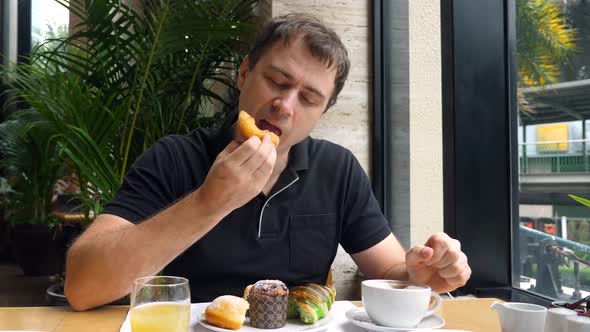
160, 303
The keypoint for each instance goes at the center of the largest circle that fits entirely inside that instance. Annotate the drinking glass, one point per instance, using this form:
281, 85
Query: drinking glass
160, 303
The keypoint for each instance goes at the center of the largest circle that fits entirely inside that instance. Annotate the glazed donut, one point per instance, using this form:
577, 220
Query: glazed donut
227, 311
247, 127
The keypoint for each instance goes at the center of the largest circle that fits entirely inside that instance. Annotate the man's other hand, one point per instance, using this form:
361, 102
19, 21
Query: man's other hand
439, 263
239, 173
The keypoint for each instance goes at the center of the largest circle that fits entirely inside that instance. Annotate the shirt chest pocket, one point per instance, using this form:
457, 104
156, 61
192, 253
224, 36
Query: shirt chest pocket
313, 242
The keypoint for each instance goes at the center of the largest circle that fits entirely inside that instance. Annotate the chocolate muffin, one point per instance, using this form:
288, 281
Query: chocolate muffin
268, 304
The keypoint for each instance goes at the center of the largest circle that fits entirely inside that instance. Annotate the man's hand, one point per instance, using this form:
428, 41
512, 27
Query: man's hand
439, 263
239, 173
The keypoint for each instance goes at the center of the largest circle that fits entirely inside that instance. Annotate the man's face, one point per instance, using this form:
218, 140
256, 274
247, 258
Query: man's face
287, 91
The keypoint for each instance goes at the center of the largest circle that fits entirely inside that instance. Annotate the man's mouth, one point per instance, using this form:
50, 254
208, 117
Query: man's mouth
265, 125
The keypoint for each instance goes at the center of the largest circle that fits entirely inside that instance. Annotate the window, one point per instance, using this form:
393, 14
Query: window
391, 110
478, 40
49, 20
25, 24
515, 146
28, 23
553, 71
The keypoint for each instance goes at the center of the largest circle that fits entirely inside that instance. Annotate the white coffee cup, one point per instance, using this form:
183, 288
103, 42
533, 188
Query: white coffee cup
395, 303
577, 324
555, 321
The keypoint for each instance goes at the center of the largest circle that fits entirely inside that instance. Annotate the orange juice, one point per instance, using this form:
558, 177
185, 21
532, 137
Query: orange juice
161, 317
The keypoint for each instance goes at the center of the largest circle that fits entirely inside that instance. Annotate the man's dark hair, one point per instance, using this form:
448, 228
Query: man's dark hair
322, 42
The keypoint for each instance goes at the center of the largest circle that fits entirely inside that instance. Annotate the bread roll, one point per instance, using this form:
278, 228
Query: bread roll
247, 127
227, 311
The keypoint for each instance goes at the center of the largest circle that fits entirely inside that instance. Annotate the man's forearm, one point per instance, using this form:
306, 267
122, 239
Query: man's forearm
101, 266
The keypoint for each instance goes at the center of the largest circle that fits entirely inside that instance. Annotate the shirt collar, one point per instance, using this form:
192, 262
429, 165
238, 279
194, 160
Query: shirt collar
299, 156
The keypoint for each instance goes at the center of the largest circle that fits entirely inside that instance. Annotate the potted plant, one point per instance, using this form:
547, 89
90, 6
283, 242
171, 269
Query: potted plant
32, 163
128, 76
6, 195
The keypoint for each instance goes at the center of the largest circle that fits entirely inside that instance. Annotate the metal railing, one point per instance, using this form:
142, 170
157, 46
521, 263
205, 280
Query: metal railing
554, 157
538, 235
548, 252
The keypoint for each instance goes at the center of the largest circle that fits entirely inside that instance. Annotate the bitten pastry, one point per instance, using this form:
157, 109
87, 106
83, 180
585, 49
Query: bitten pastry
227, 311
268, 304
247, 127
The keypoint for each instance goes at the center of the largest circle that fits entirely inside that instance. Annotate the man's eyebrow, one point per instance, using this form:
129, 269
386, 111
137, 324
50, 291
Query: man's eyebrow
307, 87
284, 73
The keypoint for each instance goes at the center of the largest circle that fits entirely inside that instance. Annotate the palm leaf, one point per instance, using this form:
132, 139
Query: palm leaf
581, 200
127, 77
544, 42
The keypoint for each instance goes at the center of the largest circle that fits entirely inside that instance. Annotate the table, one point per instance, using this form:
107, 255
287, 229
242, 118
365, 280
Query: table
466, 314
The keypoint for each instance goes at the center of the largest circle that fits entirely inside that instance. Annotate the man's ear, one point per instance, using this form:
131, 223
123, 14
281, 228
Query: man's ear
243, 71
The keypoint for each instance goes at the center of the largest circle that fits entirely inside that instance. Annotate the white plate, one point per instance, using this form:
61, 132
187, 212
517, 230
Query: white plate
198, 324
359, 317
293, 325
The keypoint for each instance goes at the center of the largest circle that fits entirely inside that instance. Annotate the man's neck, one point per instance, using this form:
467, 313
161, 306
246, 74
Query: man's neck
280, 165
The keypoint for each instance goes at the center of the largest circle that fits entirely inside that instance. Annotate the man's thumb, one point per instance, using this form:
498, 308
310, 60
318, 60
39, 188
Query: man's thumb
418, 255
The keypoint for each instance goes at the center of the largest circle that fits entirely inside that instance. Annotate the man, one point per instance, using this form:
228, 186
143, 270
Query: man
226, 212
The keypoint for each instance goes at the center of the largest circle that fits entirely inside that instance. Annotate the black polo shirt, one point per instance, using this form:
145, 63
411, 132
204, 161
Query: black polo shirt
322, 198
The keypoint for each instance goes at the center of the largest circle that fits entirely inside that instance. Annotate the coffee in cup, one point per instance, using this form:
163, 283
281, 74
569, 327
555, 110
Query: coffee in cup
399, 304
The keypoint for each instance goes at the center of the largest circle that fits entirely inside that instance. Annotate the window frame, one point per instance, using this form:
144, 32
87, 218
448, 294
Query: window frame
390, 171
24, 38
480, 148
380, 133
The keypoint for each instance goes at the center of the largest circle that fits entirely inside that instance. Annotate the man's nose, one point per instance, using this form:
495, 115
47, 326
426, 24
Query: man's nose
285, 104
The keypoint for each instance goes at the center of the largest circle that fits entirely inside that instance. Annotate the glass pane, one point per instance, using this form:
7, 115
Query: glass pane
553, 63
49, 20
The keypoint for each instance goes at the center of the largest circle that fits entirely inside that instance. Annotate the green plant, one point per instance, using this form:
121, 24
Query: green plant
6, 191
128, 76
544, 42
32, 163
580, 200
567, 273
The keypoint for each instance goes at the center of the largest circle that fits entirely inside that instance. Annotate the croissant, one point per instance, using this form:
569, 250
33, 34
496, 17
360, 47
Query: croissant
311, 302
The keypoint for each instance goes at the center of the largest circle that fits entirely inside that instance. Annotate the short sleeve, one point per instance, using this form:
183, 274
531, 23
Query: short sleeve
149, 185
364, 223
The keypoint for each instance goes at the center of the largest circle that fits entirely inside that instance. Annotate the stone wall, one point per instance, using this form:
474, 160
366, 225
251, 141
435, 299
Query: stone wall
426, 182
348, 122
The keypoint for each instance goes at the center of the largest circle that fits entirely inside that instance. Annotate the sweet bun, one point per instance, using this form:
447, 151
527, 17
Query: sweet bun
227, 311
247, 127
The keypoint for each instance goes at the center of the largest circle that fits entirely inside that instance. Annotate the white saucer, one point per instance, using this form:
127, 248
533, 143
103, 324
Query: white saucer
359, 317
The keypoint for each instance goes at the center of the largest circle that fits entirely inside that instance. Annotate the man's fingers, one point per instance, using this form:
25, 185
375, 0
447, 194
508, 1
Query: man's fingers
455, 268
231, 147
461, 279
258, 158
418, 255
441, 243
450, 257
244, 151
264, 171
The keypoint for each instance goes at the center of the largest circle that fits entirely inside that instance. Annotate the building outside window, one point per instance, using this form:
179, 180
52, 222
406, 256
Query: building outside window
553, 68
